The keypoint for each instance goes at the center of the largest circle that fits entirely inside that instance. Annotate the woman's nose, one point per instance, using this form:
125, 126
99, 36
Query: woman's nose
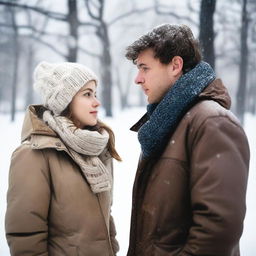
96, 102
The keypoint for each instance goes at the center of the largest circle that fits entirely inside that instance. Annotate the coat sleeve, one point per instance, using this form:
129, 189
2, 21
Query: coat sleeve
28, 200
218, 181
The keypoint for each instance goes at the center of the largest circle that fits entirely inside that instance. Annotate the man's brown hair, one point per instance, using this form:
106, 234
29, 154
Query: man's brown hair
168, 41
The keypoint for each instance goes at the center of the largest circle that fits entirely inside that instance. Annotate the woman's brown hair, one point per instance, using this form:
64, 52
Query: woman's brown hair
111, 141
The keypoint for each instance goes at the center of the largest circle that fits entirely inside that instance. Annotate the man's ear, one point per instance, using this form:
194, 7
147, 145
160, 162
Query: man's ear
177, 65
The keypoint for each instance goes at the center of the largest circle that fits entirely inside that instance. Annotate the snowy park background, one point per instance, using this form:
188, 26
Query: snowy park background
30, 35
129, 149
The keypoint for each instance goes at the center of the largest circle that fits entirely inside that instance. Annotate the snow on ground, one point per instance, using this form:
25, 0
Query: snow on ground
129, 150
248, 240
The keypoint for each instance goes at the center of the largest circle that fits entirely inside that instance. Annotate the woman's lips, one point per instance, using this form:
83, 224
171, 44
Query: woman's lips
94, 112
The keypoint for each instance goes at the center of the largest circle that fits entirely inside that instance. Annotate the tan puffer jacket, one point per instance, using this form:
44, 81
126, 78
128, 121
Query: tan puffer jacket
51, 209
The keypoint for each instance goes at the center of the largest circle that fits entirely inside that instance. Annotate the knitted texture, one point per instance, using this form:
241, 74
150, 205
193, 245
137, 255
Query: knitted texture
86, 148
58, 83
165, 116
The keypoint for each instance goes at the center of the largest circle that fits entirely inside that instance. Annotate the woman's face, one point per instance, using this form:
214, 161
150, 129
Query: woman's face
84, 106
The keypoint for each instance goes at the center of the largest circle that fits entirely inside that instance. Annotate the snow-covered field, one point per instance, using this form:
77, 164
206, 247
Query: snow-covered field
129, 149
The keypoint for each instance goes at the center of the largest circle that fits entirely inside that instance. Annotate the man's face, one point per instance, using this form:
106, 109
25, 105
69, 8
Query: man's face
154, 77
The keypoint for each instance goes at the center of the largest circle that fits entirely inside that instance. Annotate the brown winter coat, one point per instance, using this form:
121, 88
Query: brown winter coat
51, 209
191, 200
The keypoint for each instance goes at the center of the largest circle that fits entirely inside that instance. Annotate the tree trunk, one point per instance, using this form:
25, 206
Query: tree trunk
206, 35
106, 74
15, 66
241, 92
251, 94
252, 91
119, 87
30, 61
124, 92
72, 19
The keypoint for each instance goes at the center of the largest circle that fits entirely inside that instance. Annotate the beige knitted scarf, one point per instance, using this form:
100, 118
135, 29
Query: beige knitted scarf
85, 147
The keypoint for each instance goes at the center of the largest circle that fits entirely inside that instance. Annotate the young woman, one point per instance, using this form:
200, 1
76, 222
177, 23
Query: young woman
60, 183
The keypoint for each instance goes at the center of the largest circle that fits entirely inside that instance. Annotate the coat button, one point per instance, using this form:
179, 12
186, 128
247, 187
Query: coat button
58, 144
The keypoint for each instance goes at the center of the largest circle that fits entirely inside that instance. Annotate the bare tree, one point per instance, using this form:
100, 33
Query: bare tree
251, 92
72, 19
241, 92
206, 35
94, 19
6, 63
123, 91
30, 63
96, 12
16, 63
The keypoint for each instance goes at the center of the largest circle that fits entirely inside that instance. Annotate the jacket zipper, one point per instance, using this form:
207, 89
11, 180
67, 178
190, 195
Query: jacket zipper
105, 227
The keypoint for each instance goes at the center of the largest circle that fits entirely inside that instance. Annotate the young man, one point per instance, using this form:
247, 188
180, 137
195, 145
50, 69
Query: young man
190, 186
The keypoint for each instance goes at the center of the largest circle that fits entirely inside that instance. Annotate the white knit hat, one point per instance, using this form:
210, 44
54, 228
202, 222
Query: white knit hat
59, 82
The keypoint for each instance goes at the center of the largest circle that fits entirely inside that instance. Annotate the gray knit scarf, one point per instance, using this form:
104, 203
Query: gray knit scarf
85, 148
165, 116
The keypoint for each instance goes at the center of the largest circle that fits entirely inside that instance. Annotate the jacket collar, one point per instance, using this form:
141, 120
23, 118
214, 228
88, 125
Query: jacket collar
37, 133
139, 123
218, 92
214, 91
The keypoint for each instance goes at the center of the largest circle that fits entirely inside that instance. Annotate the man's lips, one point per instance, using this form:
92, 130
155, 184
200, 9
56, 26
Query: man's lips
94, 112
145, 90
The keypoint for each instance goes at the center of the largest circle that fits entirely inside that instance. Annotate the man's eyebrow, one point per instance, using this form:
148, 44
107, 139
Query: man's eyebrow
141, 65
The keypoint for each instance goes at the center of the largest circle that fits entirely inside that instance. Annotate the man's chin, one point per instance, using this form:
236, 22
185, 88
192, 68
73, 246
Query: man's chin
152, 101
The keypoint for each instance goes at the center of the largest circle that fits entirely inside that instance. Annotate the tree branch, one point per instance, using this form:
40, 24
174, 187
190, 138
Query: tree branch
33, 29
90, 11
169, 13
124, 15
48, 45
101, 9
89, 53
89, 24
53, 15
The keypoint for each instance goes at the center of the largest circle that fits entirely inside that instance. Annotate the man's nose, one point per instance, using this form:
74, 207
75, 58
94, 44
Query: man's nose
139, 79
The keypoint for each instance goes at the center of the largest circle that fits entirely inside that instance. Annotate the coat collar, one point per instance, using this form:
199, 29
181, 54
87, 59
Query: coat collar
142, 121
37, 133
33, 124
214, 91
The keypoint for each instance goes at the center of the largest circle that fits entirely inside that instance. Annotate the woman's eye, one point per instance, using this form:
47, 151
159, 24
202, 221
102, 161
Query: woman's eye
87, 94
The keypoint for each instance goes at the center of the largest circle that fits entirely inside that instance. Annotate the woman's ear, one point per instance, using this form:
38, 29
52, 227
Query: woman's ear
177, 65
